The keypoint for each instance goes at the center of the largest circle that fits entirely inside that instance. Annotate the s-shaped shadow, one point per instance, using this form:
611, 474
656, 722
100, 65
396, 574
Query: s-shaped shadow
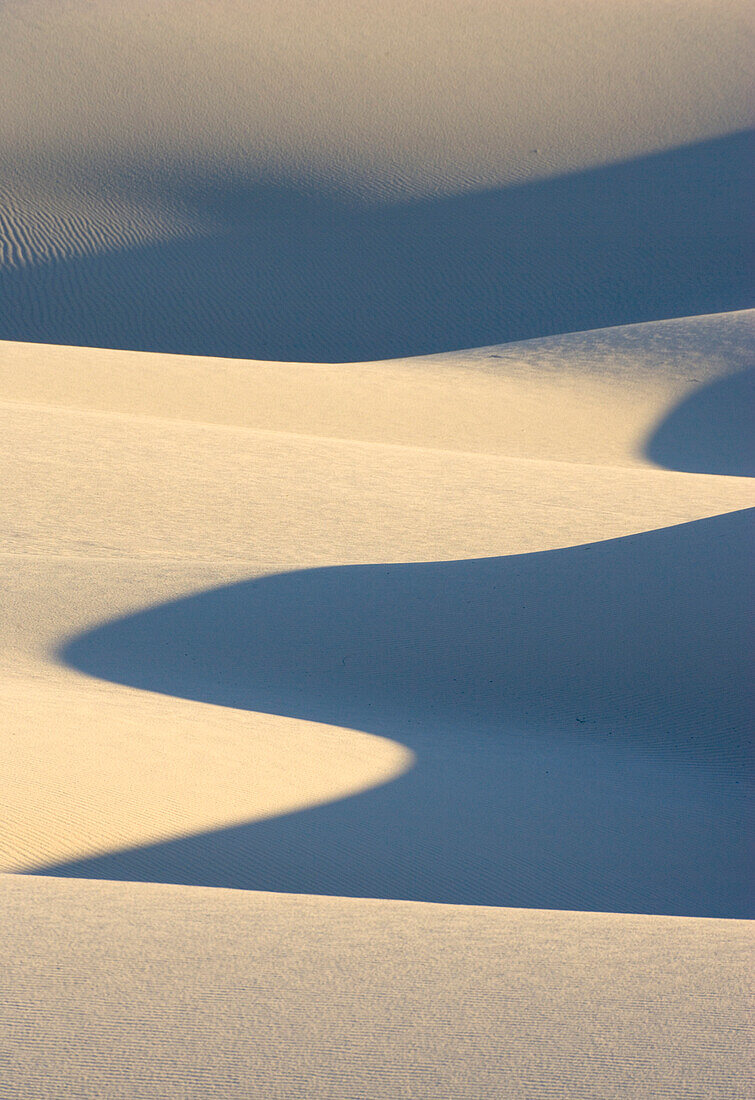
580, 720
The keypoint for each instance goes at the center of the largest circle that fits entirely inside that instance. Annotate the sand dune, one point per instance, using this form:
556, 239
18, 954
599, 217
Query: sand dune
172, 508
677, 392
280, 273
355, 185
570, 752
476, 729
375, 386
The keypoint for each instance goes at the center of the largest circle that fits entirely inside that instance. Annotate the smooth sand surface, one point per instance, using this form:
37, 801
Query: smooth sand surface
375, 539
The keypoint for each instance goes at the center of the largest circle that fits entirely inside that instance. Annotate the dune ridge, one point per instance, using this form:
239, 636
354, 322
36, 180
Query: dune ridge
613, 388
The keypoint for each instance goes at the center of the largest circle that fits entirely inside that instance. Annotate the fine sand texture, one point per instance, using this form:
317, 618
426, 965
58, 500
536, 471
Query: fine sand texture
163, 991
376, 438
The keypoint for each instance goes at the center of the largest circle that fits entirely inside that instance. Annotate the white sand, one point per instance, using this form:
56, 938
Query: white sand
465, 628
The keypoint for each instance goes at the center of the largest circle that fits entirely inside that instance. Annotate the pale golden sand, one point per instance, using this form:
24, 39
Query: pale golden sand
158, 991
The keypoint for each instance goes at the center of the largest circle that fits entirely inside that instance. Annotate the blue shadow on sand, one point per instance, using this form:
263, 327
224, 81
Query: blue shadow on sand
292, 275
712, 431
579, 717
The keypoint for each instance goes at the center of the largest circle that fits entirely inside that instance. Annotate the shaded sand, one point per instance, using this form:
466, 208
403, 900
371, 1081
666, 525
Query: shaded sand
570, 752
339, 183
285, 273
157, 991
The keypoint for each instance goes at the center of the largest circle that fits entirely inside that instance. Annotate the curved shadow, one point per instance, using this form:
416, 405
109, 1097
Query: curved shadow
580, 719
290, 275
712, 431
